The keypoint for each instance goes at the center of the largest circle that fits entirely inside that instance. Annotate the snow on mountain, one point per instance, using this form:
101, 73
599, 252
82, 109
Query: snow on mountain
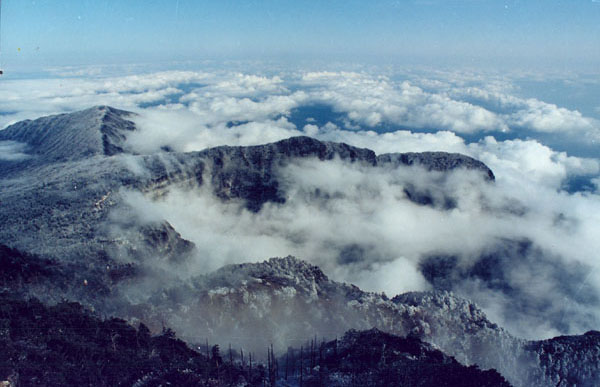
69, 205
100, 130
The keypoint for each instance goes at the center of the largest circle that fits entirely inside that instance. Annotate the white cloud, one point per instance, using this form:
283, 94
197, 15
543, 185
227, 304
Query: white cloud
453, 102
13, 151
375, 100
530, 114
528, 160
543, 117
30, 99
191, 133
246, 84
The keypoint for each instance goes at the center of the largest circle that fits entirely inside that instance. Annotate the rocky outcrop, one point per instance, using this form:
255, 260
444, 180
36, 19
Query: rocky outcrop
435, 161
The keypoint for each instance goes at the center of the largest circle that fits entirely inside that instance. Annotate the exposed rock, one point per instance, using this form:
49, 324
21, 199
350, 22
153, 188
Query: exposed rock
435, 161
71, 186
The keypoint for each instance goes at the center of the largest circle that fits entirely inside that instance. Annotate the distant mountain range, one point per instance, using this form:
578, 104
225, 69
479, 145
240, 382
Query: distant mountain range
61, 239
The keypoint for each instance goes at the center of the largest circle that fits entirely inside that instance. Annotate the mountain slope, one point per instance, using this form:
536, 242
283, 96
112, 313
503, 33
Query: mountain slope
96, 131
568, 360
66, 344
71, 186
284, 300
374, 358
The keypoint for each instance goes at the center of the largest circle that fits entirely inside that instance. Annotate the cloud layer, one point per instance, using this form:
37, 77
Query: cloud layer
461, 103
359, 226
540, 233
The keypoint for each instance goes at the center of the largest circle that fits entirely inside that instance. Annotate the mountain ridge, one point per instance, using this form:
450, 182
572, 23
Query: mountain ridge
72, 207
100, 130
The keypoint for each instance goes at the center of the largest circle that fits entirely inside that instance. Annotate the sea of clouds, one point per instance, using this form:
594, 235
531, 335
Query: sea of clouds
542, 226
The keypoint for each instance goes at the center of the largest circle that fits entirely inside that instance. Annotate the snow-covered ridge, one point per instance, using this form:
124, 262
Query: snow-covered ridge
100, 130
285, 300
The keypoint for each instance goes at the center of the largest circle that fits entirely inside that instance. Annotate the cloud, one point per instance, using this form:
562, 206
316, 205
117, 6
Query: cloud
527, 113
544, 117
13, 151
356, 222
191, 134
372, 101
29, 99
531, 162
456, 102
249, 85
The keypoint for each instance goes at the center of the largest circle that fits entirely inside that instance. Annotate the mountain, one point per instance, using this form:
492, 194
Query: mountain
79, 171
68, 137
74, 226
66, 344
375, 358
557, 357
285, 301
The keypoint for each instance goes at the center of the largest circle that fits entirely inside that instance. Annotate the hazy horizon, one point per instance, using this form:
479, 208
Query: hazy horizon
553, 35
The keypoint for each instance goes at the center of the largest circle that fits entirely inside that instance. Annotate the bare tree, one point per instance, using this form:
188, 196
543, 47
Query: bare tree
301, 366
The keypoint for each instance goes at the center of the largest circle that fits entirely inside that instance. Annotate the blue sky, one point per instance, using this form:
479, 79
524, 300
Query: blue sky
549, 33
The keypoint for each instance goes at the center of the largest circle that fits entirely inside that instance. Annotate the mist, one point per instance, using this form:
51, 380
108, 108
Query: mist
13, 151
358, 224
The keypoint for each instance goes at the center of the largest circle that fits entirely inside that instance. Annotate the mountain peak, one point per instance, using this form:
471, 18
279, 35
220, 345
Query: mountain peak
283, 271
100, 130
